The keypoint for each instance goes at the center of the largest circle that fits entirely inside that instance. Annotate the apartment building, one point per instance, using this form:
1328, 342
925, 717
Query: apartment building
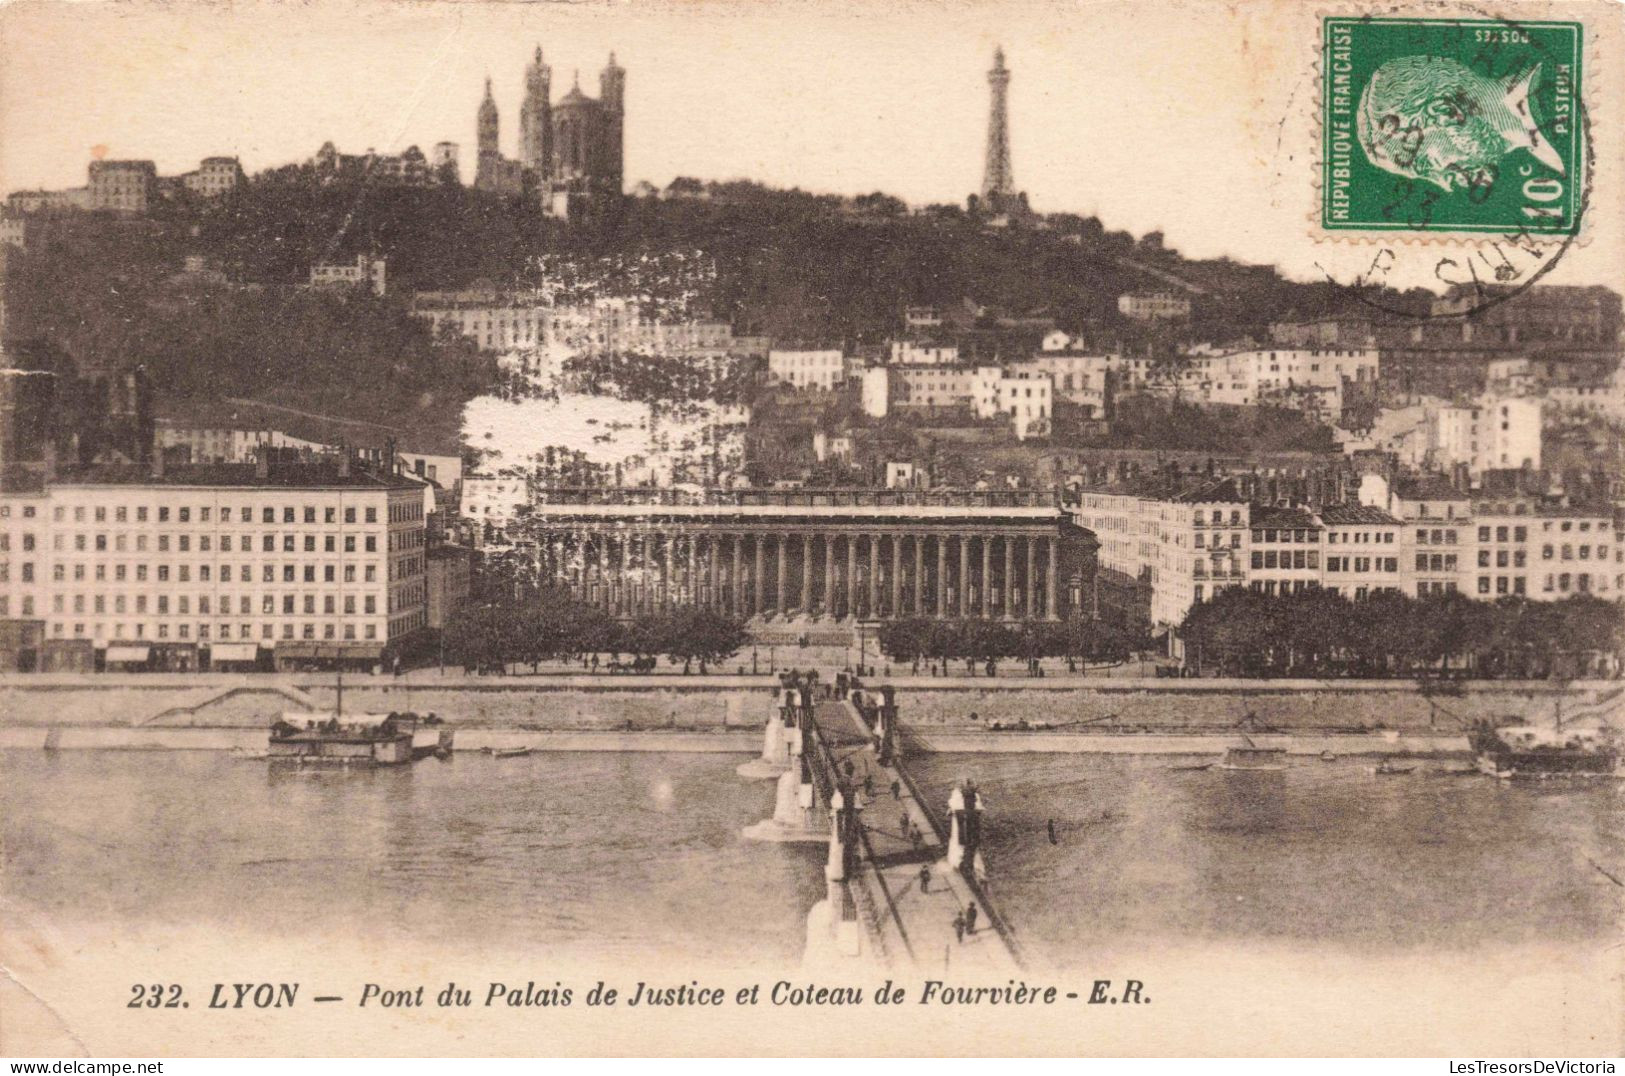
922, 353
1027, 399
1438, 517
1153, 305
821, 368
364, 272
1543, 551
1286, 550
173, 567
1164, 548
1363, 550
1077, 378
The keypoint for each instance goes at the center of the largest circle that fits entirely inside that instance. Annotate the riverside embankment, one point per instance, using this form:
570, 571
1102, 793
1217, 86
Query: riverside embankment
724, 713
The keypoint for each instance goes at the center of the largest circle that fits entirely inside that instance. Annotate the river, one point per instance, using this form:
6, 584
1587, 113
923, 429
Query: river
1286, 905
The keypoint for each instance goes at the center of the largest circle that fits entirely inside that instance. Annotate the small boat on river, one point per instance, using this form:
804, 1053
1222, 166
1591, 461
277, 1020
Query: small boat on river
337, 738
1253, 757
1385, 768
511, 752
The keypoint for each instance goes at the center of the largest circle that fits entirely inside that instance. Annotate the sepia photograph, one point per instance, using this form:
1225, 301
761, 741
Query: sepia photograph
813, 529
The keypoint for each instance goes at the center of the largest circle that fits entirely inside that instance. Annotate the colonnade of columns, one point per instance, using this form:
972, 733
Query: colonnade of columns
836, 573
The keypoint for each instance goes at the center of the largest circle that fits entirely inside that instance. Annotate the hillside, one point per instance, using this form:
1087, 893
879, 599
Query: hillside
796, 266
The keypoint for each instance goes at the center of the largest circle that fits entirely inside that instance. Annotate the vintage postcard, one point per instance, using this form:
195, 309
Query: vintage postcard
964, 528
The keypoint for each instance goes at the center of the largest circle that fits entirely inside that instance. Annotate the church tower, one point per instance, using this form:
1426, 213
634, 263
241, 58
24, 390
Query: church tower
488, 125
612, 93
536, 120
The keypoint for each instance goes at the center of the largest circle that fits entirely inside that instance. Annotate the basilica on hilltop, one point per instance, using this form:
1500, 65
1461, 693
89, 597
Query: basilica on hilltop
570, 151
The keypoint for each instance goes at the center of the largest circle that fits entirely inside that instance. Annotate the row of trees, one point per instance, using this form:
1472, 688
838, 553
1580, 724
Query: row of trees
972, 641
494, 635
1319, 633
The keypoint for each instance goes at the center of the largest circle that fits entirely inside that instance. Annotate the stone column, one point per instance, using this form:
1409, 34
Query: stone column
660, 548
942, 576
713, 573
685, 568
874, 575
738, 605
852, 576
806, 573
896, 575
1029, 591
599, 572
1008, 587
829, 574
964, 575
758, 574
919, 575
984, 591
779, 603
1049, 582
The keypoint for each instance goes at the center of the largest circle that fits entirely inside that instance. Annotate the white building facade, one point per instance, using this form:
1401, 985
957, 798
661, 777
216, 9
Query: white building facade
304, 561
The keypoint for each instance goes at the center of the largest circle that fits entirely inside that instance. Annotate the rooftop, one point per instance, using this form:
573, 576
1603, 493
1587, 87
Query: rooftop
319, 474
1266, 515
1428, 488
1339, 515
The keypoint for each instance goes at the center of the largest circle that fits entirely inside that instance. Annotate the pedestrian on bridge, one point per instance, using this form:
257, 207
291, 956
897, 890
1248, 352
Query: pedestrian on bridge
970, 918
897, 790
959, 926
925, 878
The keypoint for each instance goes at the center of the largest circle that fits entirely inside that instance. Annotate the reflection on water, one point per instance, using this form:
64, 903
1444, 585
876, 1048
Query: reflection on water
594, 855
587, 854
1322, 852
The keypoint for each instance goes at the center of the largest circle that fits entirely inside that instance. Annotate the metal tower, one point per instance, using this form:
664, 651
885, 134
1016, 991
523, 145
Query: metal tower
998, 182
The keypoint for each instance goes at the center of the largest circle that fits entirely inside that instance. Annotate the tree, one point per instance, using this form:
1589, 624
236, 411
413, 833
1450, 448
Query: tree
481, 637
698, 633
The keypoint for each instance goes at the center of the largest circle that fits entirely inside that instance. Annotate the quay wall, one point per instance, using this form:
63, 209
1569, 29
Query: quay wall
574, 713
1212, 706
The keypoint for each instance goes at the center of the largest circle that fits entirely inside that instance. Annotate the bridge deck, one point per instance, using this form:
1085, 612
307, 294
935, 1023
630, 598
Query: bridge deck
915, 923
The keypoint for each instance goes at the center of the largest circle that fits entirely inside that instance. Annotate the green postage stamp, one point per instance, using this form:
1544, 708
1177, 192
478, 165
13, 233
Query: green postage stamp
1451, 125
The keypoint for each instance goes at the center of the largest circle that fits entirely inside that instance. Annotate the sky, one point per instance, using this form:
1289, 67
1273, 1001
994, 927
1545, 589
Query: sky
1195, 119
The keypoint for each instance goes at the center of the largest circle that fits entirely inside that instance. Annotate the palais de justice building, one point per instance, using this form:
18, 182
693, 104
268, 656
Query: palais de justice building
841, 554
